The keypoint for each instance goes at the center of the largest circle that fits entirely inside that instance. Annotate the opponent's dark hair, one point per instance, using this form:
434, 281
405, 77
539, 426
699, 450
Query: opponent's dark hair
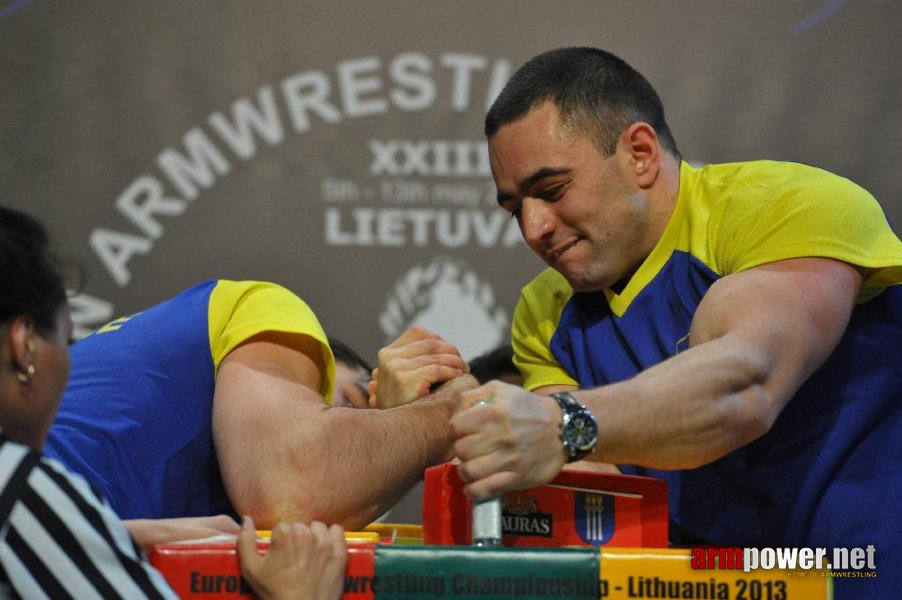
594, 91
33, 283
494, 364
346, 354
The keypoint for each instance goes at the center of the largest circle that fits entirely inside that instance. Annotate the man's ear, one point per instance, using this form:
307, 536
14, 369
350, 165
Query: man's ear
641, 142
20, 338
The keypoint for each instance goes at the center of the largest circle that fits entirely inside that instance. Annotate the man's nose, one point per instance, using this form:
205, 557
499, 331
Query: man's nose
536, 220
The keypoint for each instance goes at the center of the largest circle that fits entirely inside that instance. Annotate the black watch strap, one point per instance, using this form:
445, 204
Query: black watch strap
567, 402
578, 429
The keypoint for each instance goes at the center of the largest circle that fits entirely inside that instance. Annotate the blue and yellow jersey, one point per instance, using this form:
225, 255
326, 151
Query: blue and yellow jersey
814, 479
136, 416
727, 218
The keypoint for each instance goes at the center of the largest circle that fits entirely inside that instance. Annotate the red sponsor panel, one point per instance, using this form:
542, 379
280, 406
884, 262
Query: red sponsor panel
210, 570
577, 508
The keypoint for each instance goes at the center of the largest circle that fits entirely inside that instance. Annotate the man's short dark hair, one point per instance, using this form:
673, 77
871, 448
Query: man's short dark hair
494, 364
347, 355
594, 91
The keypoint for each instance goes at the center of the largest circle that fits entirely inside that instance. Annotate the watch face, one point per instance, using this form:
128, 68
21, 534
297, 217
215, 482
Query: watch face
581, 432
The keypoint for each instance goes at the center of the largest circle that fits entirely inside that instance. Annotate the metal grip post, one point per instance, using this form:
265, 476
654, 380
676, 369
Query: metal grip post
486, 515
487, 522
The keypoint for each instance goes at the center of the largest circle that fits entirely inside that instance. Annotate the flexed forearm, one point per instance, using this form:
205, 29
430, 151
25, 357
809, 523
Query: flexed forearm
756, 338
286, 456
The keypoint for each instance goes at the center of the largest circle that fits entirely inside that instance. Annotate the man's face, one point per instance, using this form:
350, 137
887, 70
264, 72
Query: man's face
350, 386
582, 213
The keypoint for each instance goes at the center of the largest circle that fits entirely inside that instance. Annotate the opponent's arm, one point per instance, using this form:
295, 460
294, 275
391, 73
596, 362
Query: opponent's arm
411, 365
150, 532
286, 456
756, 337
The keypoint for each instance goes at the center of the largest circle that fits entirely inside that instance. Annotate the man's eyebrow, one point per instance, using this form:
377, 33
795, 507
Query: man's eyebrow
527, 182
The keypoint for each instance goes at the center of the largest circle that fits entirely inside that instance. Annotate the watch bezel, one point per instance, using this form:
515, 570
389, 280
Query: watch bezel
572, 410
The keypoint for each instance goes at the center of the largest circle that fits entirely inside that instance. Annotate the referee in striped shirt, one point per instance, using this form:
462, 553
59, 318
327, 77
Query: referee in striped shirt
58, 538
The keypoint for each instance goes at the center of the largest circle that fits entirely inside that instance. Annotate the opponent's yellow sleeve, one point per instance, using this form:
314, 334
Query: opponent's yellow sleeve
240, 310
535, 321
804, 212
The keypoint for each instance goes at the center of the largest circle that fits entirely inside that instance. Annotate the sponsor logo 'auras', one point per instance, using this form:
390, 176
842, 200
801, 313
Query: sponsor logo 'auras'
539, 524
520, 515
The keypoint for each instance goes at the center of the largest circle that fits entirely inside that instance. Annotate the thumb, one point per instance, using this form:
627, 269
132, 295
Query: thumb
247, 544
373, 389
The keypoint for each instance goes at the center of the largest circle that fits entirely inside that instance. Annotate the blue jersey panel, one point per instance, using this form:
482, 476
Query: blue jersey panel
828, 471
138, 411
597, 347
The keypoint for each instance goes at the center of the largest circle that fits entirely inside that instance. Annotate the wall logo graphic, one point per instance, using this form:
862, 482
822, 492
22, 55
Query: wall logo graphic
449, 299
594, 515
363, 210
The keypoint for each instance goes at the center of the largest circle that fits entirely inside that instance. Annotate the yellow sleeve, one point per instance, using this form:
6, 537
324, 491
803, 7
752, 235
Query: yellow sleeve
535, 321
804, 211
240, 310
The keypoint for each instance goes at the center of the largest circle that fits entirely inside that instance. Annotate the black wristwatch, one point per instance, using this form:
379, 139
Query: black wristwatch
579, 430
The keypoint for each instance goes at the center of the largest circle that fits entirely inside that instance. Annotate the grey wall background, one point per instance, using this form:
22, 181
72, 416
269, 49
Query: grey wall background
336, 147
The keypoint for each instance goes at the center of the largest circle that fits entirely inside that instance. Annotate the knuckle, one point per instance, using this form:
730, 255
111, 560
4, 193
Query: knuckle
463, 452
511, 461
430, 345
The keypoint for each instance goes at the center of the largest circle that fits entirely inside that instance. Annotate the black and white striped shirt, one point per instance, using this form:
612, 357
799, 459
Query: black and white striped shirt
59, 540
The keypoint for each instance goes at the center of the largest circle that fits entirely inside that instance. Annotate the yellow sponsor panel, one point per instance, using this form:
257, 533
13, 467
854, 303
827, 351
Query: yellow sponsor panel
663, 573
407, 534
350, 536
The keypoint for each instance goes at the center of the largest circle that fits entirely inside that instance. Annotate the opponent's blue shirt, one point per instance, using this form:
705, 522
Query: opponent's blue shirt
826, 473
136, 417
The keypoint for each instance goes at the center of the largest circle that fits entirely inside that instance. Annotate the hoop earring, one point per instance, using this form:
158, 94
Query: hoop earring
25, 377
